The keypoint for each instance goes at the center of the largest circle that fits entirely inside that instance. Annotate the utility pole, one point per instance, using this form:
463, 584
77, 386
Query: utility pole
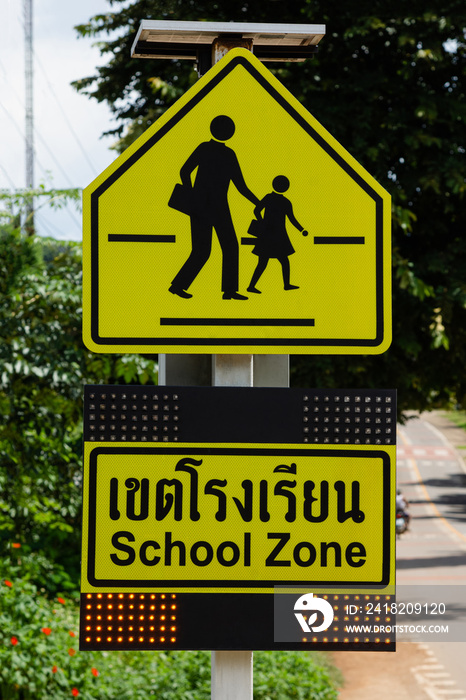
29, 81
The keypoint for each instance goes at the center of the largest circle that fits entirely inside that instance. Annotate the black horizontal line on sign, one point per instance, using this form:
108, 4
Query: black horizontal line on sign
248, 240
352, 240
236, 321
144, 238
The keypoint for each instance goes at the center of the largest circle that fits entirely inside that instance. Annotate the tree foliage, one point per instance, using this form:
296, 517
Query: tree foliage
43, 366
388, 83
22, 203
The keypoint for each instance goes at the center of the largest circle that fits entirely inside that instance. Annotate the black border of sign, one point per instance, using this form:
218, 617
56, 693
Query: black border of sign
241, 451
193, 342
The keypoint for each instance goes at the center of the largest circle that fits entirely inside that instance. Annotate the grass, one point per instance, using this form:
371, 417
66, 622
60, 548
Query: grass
457, 417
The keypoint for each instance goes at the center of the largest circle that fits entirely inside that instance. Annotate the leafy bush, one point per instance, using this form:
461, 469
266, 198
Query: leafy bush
43, 367
39, 658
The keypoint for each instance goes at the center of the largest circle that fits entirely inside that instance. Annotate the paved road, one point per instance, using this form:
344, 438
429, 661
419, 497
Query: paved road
431, 557
431, 562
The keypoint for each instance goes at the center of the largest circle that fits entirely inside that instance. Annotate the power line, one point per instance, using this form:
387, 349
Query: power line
11, 88
68, 123
41, 139
2, 106
29, 86
47, 225
51, 228
65, 117
30, 129
74, 219
71, 215
5, 172
51, 154
44, 143
21, 133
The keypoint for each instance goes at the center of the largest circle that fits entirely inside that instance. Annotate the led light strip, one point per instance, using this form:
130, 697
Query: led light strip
127, 620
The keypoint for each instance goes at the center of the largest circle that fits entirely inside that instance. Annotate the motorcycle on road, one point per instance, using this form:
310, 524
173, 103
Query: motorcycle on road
402, 514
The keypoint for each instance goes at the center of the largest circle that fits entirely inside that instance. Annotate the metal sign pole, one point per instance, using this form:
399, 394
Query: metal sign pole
232, 671
232, 675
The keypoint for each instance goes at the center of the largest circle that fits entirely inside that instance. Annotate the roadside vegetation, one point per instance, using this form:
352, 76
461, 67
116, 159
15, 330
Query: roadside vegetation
458, 417
40, 658
389, 85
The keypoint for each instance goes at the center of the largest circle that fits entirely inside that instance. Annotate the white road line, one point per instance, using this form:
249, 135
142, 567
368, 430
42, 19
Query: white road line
434, 680
444, 682
437, 674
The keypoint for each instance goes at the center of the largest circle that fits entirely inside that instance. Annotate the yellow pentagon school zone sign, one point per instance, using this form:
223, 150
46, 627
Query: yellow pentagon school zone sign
236, 517
236, 223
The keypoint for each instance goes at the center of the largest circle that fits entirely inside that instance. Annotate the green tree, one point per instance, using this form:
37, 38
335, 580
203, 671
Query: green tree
43, 367
388, 83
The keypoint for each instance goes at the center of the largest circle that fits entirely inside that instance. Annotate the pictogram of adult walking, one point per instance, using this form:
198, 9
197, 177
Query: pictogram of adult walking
273, 241
217, 166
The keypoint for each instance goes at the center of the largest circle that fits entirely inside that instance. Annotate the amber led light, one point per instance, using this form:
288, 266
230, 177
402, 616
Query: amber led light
96, 631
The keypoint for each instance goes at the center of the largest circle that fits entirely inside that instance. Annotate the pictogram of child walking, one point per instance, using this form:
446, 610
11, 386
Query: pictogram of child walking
273, 241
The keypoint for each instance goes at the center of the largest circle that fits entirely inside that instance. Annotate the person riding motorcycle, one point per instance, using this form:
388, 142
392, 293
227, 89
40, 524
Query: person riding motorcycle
402, 506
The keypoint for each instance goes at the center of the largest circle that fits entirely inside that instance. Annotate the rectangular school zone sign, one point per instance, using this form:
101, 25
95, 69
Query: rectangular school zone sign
236, 224
186, 516
172, 532
203, 504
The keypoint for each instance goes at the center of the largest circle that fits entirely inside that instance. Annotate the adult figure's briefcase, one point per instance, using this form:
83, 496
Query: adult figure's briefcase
183, 199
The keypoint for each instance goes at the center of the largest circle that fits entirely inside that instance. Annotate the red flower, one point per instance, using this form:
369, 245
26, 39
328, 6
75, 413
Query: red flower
72, 634
71, 651
75, 692
14, 641
15, 545
46, 630
8, 583
62, 601
54, 669
94, 672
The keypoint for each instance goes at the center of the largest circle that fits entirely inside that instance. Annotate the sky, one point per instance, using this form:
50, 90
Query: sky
69, 150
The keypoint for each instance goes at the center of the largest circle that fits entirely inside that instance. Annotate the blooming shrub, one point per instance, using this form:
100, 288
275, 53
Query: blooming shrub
40, 659
35, 660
